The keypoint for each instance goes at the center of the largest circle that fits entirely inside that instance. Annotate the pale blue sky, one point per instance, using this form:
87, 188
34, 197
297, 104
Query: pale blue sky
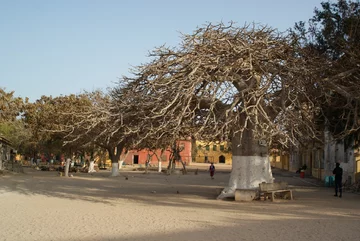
54, 47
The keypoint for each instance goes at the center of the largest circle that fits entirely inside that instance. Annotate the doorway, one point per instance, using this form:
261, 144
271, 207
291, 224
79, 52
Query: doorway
136, 159
221, 159
206, 160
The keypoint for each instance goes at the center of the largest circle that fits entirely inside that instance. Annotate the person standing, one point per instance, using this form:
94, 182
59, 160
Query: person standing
212, 170
338, 172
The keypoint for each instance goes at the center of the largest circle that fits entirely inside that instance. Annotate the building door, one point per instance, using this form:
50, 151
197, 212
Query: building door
206, 160
136, 159
221, 159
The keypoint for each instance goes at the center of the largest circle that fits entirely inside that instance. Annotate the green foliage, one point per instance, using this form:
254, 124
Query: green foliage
11, 107
16, 132
12, 126
333, 33
50, 120
335, 27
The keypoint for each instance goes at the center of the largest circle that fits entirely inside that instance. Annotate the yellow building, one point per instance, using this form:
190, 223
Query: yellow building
216, 152
280, 161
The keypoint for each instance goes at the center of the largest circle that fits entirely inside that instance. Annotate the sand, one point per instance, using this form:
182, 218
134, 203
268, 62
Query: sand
40, 205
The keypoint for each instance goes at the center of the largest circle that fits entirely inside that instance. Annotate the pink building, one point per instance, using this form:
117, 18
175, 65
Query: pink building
139, 157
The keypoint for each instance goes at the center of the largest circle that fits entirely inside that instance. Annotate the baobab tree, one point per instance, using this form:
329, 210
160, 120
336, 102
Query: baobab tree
250, 85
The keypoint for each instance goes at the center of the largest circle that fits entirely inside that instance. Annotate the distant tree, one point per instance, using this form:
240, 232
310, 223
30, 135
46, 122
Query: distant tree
17, 133
10, 106
44, 115
79, 122
11, 124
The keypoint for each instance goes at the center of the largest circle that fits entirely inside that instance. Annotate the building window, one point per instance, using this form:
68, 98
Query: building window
222, 147
214, 147
207, 147
199, 147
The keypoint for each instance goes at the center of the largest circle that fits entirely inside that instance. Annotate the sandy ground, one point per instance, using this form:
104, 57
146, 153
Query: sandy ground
42, 206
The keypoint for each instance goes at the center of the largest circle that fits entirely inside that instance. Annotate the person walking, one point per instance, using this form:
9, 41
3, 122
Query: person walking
212, 170
338, 172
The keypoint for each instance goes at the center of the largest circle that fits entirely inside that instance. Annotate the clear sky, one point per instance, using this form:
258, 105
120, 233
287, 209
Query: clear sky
59, 47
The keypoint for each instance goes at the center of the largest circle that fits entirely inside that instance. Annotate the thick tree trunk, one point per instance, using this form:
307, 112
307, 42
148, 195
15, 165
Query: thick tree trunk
178, 158
115, 169
91, 166
159, 167
250, 164
114, 166
147, 163
67, 166
159, 159
170, 165
114, 154
175, 156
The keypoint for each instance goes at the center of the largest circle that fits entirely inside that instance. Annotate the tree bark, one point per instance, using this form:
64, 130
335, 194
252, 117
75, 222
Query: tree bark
169, 167
172, 163
147, 163
67, 165
159, 167
178, 158
91, 166
250, 164
114, 154
114, 169
159, 159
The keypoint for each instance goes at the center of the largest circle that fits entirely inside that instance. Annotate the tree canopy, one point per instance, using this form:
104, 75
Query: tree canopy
11, 125
333, 33
223, 79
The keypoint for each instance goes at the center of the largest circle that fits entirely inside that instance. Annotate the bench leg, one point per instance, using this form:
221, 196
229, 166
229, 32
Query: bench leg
272, 197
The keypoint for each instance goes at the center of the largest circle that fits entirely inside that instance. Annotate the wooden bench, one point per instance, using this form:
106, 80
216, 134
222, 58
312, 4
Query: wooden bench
270, 189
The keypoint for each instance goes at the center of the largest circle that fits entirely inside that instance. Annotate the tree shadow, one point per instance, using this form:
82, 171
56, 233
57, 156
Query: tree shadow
157, 189
249, 227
